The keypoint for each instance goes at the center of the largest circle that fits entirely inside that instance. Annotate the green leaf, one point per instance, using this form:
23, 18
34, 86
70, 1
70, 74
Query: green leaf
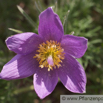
65, 18
26, 16
24, 89
55, 6
72, 33
15, 30
96, 41
38, 6
65, 21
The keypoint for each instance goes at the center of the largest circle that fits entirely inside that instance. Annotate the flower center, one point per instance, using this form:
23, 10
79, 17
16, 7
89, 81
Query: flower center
50, 54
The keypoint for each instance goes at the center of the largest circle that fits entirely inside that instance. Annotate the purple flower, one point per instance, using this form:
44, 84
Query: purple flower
47, 56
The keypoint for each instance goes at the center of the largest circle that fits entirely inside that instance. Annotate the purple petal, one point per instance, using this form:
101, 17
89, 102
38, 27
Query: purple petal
21, 66
72, 75
75, 46
44, 82
23, 43
50, 26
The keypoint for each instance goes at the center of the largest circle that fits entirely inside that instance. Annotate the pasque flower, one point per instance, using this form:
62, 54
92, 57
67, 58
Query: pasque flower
47, 56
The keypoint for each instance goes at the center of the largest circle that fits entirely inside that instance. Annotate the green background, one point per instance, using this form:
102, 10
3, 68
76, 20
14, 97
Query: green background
85, 19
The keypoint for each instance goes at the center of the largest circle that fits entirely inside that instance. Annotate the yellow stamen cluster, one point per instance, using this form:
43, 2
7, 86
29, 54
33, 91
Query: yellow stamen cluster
50, 49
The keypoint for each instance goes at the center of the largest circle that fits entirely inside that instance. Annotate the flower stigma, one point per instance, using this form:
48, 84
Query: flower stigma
50, 55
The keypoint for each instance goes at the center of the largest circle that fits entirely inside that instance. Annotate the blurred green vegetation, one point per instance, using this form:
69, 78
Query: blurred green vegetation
84, 18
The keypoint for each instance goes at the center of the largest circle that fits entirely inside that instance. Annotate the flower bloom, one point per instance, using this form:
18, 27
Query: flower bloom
47, 56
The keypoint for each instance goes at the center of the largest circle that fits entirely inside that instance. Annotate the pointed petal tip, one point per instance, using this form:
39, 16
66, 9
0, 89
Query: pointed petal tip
51, 7
77, 91
42, 96
84, 91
